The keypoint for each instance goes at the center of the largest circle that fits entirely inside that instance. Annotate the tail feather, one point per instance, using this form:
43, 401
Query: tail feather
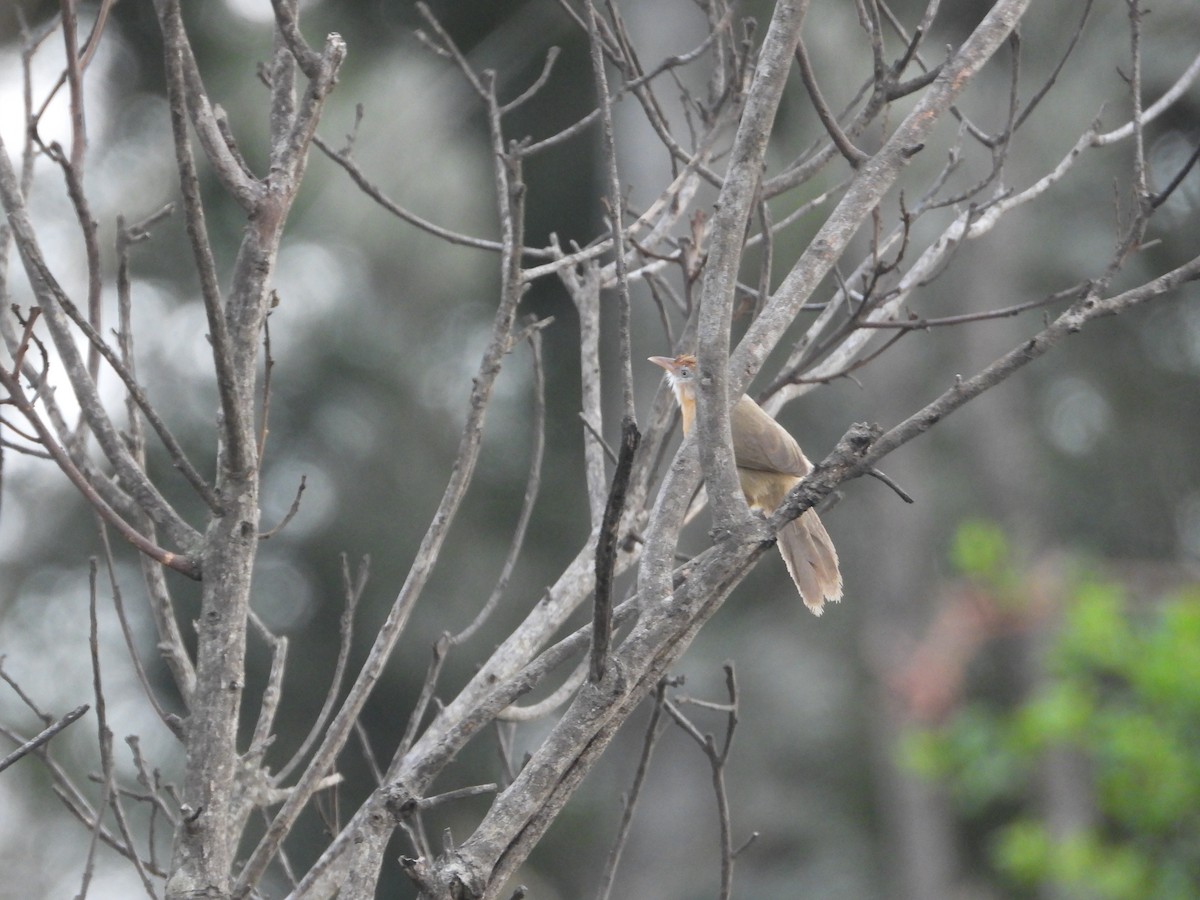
812, 561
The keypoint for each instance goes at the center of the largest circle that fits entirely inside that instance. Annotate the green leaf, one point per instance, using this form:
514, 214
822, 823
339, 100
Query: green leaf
1096, 632
1060, 714
1022, 851
981, 551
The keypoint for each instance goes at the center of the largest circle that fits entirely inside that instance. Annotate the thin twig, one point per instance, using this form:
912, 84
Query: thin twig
84, 57
152, 786
538, 84
290, 514
268, 370
717, 760
343, 159
1141, 191
109, 794
105, 735
364, 741
853, 155
510, 188
425, 803
532, 487
135, 484
262, 738
616, 216
169, 719
560, 137
1162, 196
1038, 95
136, 400
595, 432
542, 708
27, 336
886, 479
179, 563
73, 175
653, 732
428, 686
42, 737
1157, 108
123, 371
352, 589
174, 42
683, 59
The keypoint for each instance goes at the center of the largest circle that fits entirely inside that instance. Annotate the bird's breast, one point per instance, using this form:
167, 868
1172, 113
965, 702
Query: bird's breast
765, 490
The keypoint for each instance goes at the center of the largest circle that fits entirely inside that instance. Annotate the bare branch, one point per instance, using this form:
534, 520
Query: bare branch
542, 708
1040, 94
734, 204
188, 96
177, 54
440, 649
853, 155
54, 302
531, 91
291, 155
532, 149
1156, 109
353, 589
170, 720
653, 732
606, 549
864, 193
584, 289
828, 474
262, 738
445, 45
715, 30
290, 514
615, 213
137, 401
1162, 196
285, 20
344, 159
43, 737
174, 561
425, 803
109, 793
511, 196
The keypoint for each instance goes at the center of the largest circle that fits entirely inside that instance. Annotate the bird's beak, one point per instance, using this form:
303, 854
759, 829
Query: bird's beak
665, 361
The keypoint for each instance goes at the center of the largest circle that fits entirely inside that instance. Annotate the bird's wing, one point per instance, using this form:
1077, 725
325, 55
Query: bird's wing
759, 442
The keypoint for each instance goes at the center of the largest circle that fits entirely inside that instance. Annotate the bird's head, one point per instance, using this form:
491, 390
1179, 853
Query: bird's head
681, 371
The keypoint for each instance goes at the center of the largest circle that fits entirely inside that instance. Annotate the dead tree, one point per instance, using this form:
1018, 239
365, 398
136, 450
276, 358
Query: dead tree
859, 273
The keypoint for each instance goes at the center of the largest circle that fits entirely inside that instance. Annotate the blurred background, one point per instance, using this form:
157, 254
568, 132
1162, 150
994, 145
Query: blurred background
1006, 702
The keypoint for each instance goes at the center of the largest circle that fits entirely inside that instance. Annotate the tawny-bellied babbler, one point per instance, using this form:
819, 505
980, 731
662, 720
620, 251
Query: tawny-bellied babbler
769, 463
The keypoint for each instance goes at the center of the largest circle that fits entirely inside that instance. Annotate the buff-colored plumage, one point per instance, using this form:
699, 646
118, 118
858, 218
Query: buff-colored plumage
770, 463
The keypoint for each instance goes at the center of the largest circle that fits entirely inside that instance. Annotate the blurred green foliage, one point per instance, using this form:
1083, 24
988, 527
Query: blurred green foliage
1122, 690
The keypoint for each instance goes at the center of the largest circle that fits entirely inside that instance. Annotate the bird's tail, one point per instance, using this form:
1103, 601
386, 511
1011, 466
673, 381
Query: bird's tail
808, 552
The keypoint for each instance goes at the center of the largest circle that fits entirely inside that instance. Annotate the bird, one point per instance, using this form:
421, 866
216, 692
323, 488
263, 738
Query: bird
769, 463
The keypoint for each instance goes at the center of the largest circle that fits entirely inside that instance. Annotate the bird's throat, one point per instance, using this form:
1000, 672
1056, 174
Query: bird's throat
685, 395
